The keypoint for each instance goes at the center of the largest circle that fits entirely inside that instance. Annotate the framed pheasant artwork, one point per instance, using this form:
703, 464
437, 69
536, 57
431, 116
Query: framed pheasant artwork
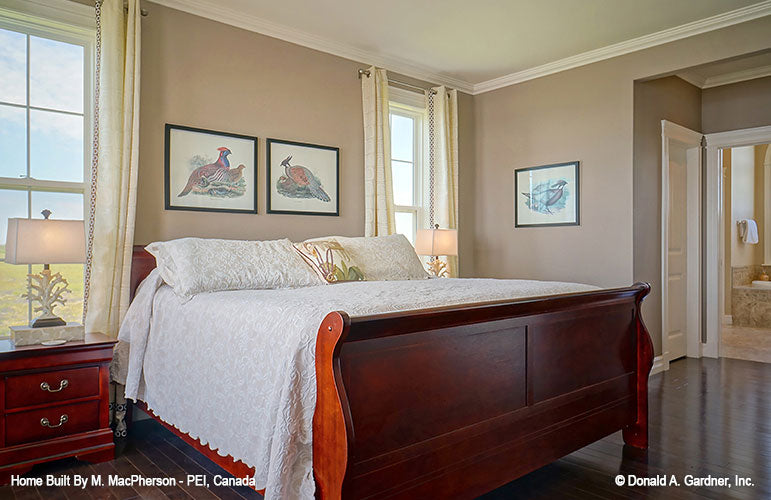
303, 179
210, 171
547, 195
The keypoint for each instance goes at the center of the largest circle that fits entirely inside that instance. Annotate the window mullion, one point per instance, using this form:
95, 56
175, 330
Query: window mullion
27, 112
40, 108
41, 186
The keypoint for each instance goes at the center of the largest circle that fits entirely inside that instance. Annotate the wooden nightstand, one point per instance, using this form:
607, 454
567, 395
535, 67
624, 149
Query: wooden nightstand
54, 403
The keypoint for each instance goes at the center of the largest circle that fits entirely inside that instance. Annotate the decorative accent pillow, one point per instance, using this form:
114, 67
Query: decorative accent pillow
378, 258
385, 258
330, 260
196, 265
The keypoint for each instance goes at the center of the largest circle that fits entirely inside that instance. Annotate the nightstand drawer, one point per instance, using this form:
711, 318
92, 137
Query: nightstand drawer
52, 422
50, 387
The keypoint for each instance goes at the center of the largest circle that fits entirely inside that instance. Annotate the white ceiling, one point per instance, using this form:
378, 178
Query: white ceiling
474, 45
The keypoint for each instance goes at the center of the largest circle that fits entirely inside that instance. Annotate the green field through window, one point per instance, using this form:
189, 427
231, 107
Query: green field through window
13, 283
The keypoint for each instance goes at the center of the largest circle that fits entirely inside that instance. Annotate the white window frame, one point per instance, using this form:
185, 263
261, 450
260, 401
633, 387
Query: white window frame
411, 105
63, 21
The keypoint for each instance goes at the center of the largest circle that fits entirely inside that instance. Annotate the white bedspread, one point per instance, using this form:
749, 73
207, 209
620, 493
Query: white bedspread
236, 369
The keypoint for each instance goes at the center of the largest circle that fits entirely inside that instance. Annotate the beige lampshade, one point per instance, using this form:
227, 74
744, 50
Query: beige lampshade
38, 241
436, 242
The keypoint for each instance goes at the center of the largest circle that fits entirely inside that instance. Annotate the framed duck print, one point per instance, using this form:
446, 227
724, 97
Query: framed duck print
210, 171
547, 195
302, 178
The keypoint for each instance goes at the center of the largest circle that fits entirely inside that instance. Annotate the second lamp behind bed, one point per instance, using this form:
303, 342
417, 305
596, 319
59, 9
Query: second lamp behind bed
435, 242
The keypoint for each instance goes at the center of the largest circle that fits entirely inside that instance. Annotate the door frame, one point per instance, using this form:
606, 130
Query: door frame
715, 227
692, 140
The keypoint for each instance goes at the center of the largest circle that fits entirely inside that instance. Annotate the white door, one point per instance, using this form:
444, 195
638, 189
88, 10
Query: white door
681, 234
677, 253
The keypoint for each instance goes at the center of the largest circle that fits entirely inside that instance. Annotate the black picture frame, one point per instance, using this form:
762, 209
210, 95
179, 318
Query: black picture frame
168, 205
269, 185
576, 196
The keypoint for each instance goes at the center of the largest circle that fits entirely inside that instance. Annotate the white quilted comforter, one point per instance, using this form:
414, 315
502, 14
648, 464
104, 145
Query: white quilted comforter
236, 369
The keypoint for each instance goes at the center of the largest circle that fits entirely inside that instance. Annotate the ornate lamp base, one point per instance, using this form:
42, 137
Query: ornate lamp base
46, 321
437, 268
47, 289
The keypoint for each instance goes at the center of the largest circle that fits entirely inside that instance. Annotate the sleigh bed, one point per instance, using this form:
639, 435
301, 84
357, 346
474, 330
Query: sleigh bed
456, 401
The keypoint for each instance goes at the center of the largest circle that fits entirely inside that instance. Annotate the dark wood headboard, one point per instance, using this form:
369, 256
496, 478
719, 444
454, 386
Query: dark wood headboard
141, 265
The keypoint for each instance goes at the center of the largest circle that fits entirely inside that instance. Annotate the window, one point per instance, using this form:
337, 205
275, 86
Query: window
407, 166
45, 129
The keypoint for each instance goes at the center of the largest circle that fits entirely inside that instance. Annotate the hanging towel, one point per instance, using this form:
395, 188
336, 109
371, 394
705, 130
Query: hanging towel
748, 230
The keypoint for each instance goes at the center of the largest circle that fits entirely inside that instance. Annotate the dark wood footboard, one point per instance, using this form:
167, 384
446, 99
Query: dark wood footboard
456, 401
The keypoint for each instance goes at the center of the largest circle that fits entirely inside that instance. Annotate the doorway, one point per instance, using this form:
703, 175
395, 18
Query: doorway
717, 221
694, 222
741, 164
680, 242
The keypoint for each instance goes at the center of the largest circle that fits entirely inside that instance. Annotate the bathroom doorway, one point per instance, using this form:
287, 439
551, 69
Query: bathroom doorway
746, 322
738, 237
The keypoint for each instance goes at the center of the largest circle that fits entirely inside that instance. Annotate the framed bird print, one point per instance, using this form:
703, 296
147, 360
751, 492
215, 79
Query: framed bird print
303, 179
547, 195
210, 171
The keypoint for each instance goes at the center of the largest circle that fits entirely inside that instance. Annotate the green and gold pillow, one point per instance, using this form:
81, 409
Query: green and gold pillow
330, 260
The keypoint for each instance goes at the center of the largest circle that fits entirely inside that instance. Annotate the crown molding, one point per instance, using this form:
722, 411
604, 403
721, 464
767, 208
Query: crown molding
737, 76
211, 10
719, 21
726, 78
692, 78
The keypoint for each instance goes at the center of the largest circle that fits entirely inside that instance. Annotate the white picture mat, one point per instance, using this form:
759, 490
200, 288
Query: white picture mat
321, 162
525, 179
184, 144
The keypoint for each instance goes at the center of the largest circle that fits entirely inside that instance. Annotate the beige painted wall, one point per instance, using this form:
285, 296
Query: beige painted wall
584, 114
670, 99
737, 106
466, 184
238, 81
242, 82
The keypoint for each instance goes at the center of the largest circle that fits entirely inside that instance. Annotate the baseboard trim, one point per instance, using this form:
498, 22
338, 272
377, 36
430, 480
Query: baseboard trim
659, 364
710, 350
728, 319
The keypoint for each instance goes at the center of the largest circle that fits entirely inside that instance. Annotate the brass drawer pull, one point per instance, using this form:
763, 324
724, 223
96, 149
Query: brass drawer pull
45, 387
62, 420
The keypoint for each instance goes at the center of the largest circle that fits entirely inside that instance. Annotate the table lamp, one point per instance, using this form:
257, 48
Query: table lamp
436, 242
46, 241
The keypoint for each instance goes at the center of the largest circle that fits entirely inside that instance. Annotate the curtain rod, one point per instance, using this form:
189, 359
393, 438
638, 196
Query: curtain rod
142, 12
414, 88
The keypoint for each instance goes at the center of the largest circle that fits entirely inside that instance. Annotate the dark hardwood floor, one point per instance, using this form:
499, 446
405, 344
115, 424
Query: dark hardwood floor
708, 417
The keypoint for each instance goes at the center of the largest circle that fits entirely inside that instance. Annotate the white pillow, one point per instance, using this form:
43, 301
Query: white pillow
384, 258
195, 265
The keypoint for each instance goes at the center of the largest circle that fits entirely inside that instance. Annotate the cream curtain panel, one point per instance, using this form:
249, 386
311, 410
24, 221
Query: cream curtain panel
115, 175
379, 216
443, 130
